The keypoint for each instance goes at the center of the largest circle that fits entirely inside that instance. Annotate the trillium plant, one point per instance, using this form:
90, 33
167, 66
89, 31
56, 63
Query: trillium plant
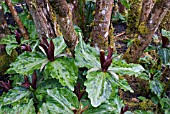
46, 80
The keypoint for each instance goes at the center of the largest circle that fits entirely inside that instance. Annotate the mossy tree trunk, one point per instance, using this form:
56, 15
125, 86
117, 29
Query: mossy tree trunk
165, 24
133, 17
147, 5
100, 29
44, 18
146, 30
64, 19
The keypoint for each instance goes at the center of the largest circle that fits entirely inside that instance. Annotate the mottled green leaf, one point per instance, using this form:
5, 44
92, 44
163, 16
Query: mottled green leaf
15, 95
27, 62
164, 54
10, 47
142, 112
86, 56
20, 109
44, 109
98, 87
59, 44
121, 67
61, 101
156, 87
41, 90
165, 33
123, 84
112, 106
64, 70
8, 40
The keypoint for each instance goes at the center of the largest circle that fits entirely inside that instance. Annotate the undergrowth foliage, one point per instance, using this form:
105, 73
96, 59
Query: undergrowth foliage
45, 80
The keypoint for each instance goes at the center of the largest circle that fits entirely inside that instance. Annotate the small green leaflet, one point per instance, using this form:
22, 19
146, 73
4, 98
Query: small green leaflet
64, 70
125, 3
26, 63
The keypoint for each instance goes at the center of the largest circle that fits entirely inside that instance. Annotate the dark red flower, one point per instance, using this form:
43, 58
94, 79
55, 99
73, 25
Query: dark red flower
48, 48
5, 85
26, 48
106, 62
18, 37
124, 109
78, 92
27, 83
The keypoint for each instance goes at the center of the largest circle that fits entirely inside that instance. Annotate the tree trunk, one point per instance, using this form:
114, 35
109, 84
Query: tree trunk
146, 31
44, 18
146, 9
102, 17
133, 17
165, 24
17, 19
64, 19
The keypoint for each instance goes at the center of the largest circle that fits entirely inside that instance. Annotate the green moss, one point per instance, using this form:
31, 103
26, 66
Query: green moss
143, 29
134, 15
147, 105
5, 61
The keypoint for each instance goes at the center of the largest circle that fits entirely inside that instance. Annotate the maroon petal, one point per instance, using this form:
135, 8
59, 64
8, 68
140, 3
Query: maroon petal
45, 41
102, 58
18, 37
24, 48
29, 48
45, 48
110, 52
34, 80
26, 83
6, 86
165, 41
51, 51
107, 64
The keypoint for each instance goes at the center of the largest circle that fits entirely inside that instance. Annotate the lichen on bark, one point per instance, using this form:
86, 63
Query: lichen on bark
133, 16
100, 29
158, 12
64, 19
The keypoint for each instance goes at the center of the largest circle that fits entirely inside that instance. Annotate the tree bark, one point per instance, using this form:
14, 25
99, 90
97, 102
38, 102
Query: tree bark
100, 29
146, 31
64, 19
146, 9
133, 17
17, 19
165, 24
44, 18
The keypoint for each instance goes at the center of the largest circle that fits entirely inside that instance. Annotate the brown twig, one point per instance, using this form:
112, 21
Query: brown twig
120, 34
17, 19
